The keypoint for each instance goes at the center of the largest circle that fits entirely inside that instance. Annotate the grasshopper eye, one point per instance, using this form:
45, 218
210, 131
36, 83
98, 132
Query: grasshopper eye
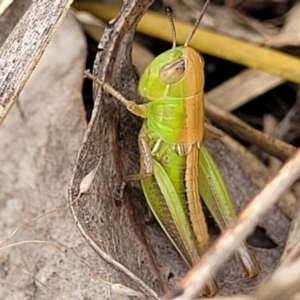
172, 72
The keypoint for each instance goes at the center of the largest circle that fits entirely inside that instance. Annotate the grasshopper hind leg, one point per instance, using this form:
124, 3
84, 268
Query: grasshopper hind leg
217, 199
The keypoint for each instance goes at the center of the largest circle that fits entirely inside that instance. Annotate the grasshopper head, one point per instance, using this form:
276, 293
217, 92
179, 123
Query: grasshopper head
177, 73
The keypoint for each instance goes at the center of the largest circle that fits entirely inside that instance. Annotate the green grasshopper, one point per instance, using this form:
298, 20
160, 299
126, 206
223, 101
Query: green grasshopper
175, 168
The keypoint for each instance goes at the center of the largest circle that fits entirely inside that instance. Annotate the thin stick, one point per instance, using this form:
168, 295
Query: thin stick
83, 188
240, 129
33, 277
225, 246
60, 250
116, 287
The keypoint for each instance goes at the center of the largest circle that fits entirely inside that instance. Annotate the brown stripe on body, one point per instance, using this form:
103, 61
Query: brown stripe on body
192, 130
193, 199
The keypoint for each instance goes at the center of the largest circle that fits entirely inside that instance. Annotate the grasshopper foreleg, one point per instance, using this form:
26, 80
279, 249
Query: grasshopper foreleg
146, 164
136, 109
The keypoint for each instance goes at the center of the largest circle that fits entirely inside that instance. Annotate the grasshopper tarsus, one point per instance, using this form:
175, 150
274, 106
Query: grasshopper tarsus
248, 261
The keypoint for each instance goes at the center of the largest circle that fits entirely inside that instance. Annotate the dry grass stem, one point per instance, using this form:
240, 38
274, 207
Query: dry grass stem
238, 128
47, 288
248, 219
242, 88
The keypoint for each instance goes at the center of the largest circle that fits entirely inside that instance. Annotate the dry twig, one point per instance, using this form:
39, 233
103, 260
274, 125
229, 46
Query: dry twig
248, 219
23, 48
235, 126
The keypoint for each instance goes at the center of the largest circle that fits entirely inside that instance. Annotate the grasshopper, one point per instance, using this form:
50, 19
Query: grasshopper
175, 168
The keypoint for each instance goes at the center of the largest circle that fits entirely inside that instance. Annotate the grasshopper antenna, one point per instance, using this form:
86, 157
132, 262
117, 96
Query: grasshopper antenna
173, 30
196, 24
